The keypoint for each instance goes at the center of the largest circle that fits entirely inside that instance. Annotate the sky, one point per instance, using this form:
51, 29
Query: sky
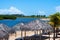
29, 7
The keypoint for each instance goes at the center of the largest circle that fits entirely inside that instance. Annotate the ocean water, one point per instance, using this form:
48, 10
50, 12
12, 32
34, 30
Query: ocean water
11, 23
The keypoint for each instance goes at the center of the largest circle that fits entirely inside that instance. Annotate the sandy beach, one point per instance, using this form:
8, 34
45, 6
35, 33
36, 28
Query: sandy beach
29, 33
18, 34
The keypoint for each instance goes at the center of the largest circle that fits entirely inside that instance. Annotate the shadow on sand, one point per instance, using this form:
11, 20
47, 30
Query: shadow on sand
34, 37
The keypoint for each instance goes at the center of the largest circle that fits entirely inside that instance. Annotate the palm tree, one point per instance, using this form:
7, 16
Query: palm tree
55, 21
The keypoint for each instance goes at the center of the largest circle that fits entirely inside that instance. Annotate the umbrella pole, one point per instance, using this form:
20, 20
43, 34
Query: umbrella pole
37, 32
40, 34
15, 34
25, 33
21, 34
49, 36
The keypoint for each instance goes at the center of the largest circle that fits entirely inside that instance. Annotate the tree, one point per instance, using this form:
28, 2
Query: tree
55, 21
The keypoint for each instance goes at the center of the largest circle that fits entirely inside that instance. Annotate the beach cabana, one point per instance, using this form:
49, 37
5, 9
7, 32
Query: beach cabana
36, 25
20, 27
39, 26
4, 32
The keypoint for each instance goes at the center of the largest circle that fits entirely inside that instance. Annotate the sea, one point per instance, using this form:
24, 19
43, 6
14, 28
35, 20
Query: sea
11, 23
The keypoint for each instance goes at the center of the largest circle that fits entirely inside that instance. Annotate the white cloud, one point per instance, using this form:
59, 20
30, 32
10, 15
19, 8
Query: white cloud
11, 10
58, 9
41, 12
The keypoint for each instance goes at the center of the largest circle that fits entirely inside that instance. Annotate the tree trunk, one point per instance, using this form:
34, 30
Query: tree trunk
49, 35
54, 33
57, 31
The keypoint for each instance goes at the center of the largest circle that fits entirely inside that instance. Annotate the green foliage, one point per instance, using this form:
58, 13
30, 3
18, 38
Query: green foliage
14, 16
55, 22
55, 19
7, 17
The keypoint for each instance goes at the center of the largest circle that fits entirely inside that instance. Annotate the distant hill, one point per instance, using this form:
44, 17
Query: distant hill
14, 16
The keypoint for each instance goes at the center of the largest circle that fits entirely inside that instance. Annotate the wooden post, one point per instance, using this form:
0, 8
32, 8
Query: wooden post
35, 32
54, 33
40, 34
15, 34
25, 33
21, 34
49, 35
2, 39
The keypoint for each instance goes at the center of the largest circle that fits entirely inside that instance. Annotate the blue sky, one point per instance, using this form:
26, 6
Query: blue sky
29, 7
